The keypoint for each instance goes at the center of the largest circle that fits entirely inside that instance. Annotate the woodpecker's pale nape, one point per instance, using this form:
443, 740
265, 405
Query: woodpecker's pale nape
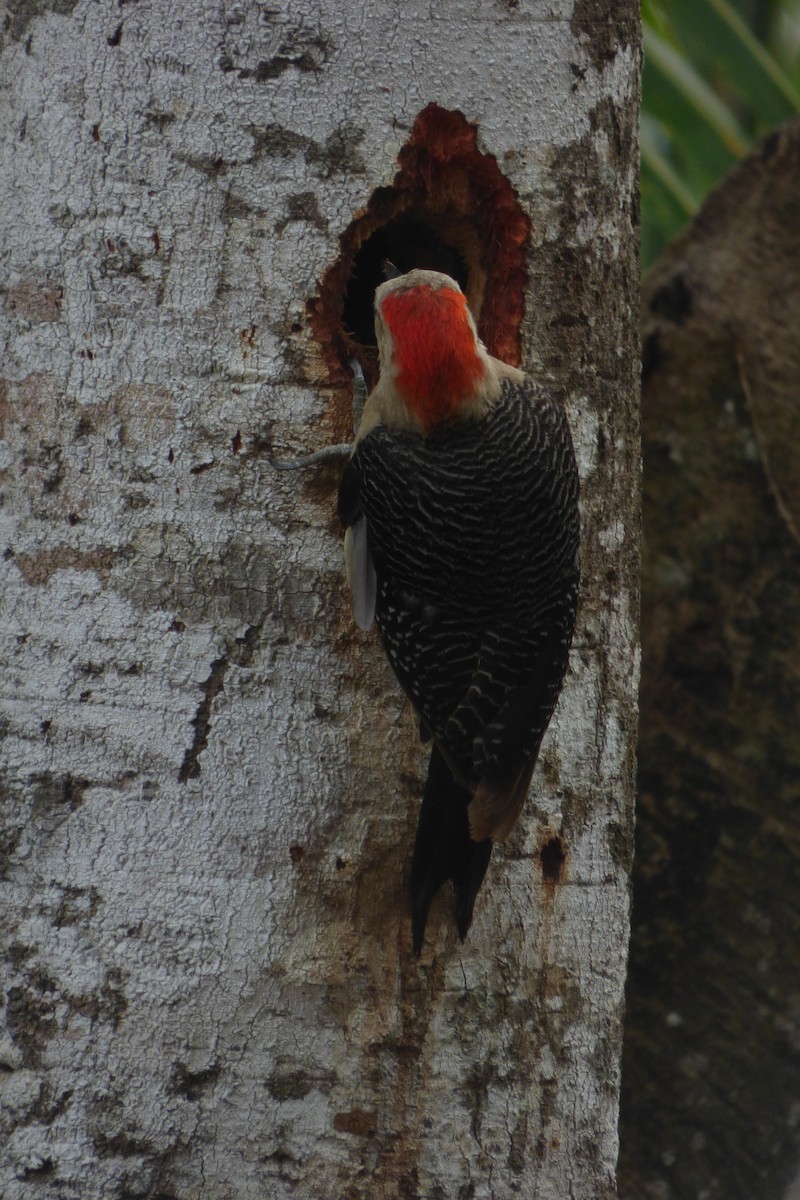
461, 509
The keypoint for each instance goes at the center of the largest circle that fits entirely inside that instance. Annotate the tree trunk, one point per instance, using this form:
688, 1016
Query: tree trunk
712, 1056
210, 777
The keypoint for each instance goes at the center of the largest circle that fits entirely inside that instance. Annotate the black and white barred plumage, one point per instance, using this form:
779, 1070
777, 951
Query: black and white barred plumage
472, 530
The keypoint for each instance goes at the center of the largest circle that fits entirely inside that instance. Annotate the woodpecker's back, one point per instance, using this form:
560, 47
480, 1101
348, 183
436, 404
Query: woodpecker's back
460, 503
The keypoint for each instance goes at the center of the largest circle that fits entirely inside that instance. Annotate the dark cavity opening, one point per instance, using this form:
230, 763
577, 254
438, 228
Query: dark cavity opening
407, 242
451, 209
553, 859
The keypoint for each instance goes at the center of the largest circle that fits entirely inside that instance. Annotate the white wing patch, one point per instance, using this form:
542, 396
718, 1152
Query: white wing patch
360, 574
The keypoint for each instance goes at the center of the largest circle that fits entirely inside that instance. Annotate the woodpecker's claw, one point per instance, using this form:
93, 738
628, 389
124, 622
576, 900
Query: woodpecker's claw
343, 449
326, 454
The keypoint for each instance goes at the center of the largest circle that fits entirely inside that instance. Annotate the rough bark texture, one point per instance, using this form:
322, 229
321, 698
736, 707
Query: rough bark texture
711, 1073
210, 780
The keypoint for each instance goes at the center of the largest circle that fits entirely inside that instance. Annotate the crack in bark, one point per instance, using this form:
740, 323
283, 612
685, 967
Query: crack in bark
211, 687
241, 655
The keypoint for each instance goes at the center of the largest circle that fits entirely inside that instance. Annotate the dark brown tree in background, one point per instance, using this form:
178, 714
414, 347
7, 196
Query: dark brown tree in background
711, 1070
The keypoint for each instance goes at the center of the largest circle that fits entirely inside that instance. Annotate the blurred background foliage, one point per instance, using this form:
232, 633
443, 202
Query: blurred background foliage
717, 75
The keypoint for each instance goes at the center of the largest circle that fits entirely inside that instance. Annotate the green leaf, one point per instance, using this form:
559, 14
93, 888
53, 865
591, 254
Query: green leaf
694, 147
725, 51
710, 87
654, 158
690, 84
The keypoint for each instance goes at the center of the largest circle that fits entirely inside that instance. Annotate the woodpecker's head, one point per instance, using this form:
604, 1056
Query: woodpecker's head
431, 359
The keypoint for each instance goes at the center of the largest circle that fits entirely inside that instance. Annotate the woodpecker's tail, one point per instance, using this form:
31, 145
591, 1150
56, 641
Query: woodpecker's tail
444, 850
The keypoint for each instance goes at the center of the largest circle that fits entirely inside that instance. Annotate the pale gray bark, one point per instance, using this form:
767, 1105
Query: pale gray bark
210, 778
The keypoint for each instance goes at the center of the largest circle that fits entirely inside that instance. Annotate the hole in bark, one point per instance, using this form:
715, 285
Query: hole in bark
296, 853
553, 859
451, 209
192, 1084
45, 1167
407, 242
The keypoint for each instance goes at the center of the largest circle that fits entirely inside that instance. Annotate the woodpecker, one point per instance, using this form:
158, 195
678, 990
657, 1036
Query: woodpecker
460, 505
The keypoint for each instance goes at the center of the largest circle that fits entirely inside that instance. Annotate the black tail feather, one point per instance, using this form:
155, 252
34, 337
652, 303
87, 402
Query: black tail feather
444, 850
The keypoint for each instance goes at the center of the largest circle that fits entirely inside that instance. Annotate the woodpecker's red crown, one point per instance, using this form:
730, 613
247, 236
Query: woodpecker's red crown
436, 359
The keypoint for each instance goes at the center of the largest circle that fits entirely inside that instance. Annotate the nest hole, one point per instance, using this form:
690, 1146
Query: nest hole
406, 242
450, 209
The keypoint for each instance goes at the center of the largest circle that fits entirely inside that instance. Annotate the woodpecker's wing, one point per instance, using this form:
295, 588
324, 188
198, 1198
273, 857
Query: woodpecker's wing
523, 659
474, 535
359, 566
506, 710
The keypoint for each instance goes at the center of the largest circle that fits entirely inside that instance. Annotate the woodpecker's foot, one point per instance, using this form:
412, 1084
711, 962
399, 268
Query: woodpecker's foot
343, 449
326, 454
